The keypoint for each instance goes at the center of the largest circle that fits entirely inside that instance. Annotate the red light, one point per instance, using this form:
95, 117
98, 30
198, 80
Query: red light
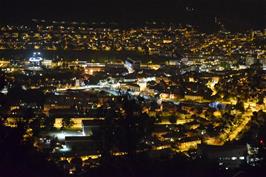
261, 142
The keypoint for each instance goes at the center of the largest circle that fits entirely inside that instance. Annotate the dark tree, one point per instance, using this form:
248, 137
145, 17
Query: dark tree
132, 111
19, 158
49, 122
67, 122
2, 80
35, 125
172, 119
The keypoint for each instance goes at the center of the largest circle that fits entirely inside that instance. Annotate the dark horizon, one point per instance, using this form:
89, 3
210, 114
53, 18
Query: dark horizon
242, 14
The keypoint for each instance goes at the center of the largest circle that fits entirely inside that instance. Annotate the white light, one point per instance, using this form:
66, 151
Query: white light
65, 148
61, 135
35, 59
234, 158
242, 158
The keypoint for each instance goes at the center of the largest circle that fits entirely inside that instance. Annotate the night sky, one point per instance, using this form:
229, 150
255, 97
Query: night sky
247, 12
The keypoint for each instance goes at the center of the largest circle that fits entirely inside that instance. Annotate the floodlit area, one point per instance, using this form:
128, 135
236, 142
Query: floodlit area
64, 133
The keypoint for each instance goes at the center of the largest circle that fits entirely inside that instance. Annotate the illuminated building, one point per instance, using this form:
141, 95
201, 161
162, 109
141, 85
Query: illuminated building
47, 63
132, 65
36, 59
250, 61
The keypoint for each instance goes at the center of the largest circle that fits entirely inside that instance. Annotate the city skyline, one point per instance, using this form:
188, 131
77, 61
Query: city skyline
132, 89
